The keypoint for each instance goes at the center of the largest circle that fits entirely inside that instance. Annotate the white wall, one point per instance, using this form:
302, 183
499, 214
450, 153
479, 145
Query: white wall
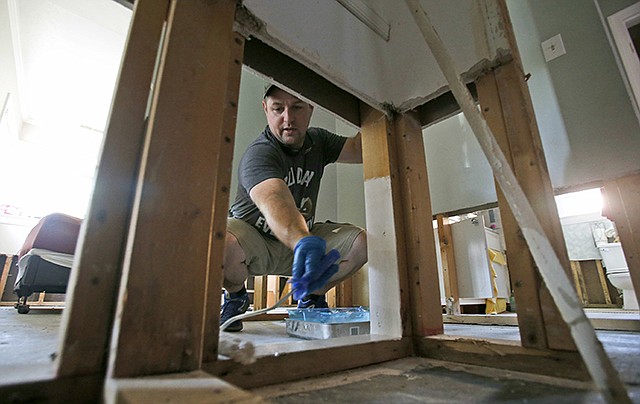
13, 232
8, 73
586, 120
587, 124
402, 71
459, 174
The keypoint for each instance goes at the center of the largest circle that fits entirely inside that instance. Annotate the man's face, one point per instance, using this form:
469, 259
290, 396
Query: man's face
288, 117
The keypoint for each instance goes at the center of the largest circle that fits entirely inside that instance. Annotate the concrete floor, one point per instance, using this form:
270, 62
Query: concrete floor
30, 340
420, 380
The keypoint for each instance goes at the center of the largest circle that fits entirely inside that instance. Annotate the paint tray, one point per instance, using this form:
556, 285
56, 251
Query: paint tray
328, 323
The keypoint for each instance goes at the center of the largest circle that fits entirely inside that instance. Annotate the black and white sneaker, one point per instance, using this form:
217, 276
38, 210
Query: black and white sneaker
313, 302
234, 304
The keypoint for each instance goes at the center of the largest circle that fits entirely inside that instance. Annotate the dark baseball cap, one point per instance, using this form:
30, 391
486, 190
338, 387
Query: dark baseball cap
268, 89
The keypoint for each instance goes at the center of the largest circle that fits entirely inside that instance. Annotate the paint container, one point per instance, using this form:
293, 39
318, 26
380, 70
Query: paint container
328, 323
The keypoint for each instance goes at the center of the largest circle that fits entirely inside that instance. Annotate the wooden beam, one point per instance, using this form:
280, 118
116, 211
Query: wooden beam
578, 279
8, 259
192, 387
389, 295
97, 268
506, 106
622, 207
260, 292
402, 258
505, 356
175, 230
57, 390
344, 293
442, 107
268, 370
419, 241
449, 271
292, 74
228, 53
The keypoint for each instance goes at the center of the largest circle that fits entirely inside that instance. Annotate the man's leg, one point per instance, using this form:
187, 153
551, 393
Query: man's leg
236, 299
349, 264
235, 265
351, 242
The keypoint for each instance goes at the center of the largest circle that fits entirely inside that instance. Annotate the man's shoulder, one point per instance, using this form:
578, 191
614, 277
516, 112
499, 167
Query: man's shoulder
318, 132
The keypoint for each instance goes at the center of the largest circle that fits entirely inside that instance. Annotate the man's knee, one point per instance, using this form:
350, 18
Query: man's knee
235, 267
357, 256
359, 249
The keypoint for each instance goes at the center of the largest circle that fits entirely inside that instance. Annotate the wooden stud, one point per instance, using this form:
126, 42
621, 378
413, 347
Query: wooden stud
419, 241
402, 255
622, 207
603, 282
5, 272
502, 98
229, 55
259, 292
581, 288
95, 277
449, 271
344, 293
176, 235
389, 299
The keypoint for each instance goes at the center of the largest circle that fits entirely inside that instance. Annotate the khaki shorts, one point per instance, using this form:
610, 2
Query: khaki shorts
268, 256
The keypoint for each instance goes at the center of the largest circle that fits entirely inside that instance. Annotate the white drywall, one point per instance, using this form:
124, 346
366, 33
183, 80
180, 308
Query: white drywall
459, 174
587, 124
325, 36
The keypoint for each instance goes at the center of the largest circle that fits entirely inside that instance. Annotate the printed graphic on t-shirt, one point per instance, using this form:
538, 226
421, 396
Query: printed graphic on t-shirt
296, 177
305, 208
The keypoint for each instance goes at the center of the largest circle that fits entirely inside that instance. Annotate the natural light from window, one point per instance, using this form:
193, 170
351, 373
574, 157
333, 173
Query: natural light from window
587, 202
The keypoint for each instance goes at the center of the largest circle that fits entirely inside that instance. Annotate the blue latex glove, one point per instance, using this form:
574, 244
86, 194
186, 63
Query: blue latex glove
312, 268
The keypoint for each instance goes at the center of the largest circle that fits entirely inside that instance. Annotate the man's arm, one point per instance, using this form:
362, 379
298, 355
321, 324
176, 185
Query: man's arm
275, 202
351, 151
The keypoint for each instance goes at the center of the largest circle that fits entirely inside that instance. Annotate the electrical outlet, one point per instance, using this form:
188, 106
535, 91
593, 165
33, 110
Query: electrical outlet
553, 47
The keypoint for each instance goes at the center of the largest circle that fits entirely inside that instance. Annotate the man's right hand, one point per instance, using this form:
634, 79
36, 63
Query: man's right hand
312, 268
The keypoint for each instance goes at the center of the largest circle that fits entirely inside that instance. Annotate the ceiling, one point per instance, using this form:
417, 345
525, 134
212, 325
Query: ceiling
66, 55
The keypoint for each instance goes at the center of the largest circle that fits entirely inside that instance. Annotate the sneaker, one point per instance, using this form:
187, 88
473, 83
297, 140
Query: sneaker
232, 307
313, 301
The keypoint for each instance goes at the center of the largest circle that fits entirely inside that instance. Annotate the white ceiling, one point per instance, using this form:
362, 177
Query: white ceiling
67, 52
67, 55
401, 71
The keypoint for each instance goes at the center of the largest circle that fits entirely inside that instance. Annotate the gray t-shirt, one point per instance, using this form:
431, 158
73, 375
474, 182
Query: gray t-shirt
267, 158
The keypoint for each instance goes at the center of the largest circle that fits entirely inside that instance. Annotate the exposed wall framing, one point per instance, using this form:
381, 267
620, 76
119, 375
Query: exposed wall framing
187, 140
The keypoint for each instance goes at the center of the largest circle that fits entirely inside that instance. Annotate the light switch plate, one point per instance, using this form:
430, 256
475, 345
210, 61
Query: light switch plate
553, 47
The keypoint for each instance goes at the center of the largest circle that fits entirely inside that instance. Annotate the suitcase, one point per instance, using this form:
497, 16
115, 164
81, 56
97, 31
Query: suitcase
36, 274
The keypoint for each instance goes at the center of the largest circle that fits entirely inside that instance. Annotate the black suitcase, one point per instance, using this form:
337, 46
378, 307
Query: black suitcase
39, 275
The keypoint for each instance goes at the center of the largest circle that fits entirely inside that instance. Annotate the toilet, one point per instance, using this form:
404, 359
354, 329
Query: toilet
618, 273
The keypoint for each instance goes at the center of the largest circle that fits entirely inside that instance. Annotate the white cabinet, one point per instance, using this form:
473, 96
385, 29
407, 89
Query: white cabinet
471, 244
